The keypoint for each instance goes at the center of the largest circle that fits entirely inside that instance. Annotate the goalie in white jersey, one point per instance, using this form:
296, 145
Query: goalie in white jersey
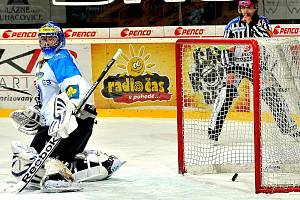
58, 79
238, 65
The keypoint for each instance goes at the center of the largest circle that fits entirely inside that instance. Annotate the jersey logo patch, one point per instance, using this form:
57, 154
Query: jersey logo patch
39, 75
73, 91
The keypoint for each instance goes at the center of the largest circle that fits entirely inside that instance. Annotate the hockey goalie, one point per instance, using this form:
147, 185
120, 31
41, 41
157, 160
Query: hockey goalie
61, 88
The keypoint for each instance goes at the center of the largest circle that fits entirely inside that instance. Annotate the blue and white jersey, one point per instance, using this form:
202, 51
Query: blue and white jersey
59, 74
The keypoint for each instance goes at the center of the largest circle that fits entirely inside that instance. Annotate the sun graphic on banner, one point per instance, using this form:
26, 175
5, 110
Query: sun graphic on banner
136, 65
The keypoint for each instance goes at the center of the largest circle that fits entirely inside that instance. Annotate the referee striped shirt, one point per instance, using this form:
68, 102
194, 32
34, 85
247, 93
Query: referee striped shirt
241, 57
238, 29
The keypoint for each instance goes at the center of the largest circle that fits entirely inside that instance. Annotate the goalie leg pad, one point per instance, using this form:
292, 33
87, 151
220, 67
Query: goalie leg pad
23, 156
91, 174
93, 165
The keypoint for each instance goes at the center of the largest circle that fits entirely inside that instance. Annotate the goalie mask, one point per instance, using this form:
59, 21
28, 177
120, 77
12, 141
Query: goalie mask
51, 39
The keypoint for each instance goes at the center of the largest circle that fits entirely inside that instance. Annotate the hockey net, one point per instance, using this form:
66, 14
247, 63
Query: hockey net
259, 133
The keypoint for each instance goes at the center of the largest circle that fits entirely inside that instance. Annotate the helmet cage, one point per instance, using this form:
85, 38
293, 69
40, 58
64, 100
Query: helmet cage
51, 30
47, 44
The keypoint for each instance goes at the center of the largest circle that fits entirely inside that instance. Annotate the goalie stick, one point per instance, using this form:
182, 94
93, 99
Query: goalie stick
54, 141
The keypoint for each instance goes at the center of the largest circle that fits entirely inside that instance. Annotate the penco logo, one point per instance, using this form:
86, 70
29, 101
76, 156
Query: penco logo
287, 31
82, 34
134, 33
23, 34
188, 31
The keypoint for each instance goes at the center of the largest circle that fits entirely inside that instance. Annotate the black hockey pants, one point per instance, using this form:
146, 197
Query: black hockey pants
68, 147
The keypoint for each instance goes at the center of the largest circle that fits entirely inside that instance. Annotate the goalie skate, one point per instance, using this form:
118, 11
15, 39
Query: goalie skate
113, 165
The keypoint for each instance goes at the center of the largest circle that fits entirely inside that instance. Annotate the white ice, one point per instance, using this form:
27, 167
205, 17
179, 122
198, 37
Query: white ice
150, 148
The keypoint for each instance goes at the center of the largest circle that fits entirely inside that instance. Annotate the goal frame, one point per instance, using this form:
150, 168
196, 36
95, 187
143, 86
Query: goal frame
256, 108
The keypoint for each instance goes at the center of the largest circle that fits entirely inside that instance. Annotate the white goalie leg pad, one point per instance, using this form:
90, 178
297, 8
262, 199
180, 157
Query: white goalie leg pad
88, 166
58, 177
23, 156
92, 174
93, 165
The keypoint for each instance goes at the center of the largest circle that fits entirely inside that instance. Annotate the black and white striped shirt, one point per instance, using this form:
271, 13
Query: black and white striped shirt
238, 29
241, 56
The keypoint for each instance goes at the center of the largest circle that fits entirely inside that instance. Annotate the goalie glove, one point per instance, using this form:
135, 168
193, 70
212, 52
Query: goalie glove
27, 121
64, 121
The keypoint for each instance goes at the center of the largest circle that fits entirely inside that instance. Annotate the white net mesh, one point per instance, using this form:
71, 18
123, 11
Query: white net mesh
218, 78
280, 144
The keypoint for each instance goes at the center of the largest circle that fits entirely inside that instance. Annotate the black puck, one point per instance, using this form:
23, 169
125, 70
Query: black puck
234, 177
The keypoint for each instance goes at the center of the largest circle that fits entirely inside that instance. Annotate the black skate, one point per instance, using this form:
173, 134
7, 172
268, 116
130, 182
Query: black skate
112, 164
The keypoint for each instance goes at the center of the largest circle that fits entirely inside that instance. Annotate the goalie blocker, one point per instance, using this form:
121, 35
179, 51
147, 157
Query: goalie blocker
75, 130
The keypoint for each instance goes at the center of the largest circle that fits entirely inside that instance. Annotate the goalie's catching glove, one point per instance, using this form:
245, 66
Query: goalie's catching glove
27, 121
64, 121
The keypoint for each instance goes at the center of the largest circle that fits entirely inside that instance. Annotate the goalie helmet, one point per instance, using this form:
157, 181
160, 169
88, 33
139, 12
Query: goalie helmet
51, 39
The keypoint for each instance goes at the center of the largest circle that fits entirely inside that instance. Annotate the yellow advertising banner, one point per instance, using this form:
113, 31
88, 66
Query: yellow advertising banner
142, 77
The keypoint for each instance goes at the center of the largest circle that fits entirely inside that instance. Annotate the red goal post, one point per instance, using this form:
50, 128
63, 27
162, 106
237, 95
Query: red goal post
245, 145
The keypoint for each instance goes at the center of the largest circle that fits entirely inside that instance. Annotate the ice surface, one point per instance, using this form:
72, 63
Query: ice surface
151, 172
